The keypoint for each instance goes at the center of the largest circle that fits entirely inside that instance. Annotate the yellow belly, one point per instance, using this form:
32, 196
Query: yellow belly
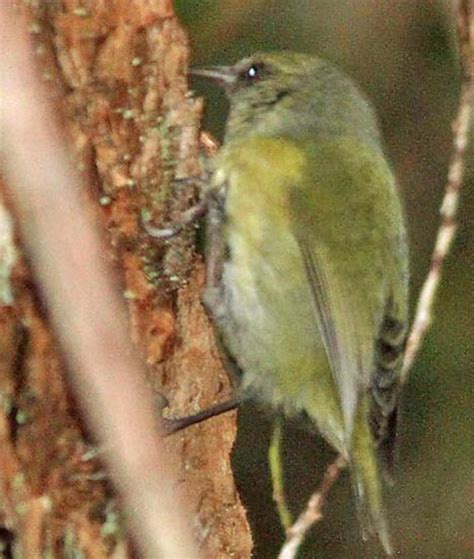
270, 328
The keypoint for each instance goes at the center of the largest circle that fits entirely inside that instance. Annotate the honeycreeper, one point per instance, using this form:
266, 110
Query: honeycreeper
311, 301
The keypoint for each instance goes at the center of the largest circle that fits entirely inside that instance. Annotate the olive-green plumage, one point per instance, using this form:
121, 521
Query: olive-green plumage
315, 282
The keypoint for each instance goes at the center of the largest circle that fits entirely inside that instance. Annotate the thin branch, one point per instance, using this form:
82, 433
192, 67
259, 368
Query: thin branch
445, 236
61, 239
449, 205
313, 512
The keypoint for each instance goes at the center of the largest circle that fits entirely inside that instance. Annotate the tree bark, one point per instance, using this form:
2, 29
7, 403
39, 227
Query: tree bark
116, 71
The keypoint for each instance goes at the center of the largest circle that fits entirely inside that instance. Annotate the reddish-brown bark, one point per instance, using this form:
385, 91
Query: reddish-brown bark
116, 72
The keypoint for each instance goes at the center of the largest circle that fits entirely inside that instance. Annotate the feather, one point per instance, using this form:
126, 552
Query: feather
333, 313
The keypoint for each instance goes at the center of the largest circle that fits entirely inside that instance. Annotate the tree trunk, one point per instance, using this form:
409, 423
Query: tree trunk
117, 75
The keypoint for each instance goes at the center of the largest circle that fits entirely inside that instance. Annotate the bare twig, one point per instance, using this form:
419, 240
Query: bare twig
313, 512
449, 206
89, 317
446, 232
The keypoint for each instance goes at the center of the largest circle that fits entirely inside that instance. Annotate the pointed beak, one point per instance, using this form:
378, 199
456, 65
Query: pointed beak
222, 75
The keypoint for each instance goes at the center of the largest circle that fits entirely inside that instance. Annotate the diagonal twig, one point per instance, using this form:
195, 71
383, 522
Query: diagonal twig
449, 205
313, 512
60, 237
445, 236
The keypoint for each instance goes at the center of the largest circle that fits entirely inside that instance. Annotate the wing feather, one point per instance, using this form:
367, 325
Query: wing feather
334, 317
346, 217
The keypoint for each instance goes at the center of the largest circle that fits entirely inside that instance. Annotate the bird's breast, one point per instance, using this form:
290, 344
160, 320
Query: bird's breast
270, 327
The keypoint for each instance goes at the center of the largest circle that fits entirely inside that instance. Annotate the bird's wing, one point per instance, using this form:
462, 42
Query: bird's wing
345, 218
336, 318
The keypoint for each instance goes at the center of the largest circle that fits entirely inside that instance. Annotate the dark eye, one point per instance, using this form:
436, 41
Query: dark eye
252, 73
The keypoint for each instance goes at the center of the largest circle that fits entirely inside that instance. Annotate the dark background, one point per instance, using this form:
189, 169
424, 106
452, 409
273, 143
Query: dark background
403, 53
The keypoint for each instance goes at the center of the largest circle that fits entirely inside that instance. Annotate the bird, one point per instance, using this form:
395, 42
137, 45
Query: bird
312, 297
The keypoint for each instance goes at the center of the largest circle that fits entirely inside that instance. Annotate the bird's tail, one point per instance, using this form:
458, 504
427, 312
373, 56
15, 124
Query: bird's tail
367, 480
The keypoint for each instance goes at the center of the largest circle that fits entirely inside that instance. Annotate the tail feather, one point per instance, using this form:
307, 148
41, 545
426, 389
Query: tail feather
367, 481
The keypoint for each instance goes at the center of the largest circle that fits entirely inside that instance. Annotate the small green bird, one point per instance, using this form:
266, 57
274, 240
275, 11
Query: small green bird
312, 301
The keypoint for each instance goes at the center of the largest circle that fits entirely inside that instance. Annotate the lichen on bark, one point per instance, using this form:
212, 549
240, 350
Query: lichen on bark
116, 72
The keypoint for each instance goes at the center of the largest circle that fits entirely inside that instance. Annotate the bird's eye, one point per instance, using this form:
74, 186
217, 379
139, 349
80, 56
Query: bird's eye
252, 73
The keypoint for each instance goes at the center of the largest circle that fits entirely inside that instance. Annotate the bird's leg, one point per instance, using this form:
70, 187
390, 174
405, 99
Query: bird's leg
276, 473
174, 425
190, 216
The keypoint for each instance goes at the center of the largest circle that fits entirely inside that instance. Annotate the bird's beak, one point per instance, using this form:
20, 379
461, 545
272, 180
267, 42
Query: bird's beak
222, 75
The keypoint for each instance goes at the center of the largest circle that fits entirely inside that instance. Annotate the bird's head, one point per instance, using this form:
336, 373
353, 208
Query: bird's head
286, 93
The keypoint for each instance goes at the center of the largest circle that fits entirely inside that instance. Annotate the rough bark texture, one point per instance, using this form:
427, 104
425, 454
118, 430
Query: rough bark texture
117, 75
